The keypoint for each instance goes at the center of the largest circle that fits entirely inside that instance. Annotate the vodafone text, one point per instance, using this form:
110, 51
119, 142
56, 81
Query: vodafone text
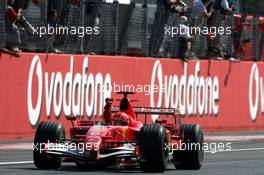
83, 93
82, 90
256, 92
212, 147
190, 94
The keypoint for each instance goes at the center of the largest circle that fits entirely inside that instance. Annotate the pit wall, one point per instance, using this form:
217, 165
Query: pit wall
219, 95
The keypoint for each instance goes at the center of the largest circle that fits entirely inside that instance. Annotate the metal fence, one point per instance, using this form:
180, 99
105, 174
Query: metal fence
74, 17
34, 42
134, 29
261, 43
226, 41
136, 32
107, 40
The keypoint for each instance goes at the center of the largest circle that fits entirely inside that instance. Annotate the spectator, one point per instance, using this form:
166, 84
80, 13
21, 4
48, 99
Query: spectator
56, 5
65, 10
226, 7
215, 50
51, 23
176, 7
64, 13
23, 4
199, 10
239, 43
13, 33
52, 18
222, 16
184, 38
20, 4
164, 9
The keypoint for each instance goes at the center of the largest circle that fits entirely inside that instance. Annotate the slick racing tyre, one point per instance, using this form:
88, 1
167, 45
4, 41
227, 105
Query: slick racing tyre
191, 156
47, 132
153, 142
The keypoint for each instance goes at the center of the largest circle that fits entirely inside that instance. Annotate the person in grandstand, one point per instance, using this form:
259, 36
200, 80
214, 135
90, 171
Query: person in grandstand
51, 23
185, 38
176, 7
56, 5
23, 4
199, 9
165, 8
223, 12
200, 12
226, 7
12, 31
239, 41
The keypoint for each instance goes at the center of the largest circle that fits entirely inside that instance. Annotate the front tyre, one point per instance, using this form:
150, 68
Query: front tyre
153, 142
47, 132
191, 158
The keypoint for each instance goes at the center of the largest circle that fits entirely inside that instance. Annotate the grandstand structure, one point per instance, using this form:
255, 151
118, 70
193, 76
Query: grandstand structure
125, 29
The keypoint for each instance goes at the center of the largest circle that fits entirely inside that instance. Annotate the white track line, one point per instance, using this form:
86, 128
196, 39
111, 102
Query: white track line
16, 146
235, 150
16, 163
220, 151
234, 138
29, 146
246, 149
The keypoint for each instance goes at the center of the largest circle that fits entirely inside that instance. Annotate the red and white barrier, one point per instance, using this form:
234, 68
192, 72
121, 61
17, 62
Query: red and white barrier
219, 95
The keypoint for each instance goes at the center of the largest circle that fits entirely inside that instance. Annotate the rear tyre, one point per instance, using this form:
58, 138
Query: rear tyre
152, 143
47, 132
192, 157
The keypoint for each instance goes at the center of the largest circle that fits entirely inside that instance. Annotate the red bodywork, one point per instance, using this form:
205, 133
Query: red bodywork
117, 135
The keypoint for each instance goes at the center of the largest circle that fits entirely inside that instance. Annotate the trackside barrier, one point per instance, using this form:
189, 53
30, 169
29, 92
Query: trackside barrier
219, 95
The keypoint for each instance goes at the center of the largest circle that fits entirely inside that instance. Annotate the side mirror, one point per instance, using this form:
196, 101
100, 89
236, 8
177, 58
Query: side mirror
160, 121
71, 117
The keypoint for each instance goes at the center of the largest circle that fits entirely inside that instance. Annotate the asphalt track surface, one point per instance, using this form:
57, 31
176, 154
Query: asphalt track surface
245, 158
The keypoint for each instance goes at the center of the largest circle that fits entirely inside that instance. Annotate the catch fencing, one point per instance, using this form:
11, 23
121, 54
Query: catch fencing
135, 29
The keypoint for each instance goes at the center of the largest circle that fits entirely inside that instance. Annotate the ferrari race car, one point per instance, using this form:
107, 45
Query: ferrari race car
121, 139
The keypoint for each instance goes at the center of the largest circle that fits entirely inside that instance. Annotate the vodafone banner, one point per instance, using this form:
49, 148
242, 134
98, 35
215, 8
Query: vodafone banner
219, 95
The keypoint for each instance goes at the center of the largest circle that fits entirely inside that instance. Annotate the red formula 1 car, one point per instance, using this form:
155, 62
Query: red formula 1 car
121, 139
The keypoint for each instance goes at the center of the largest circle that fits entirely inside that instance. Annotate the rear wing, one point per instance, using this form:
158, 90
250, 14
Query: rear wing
148, 110
152, 111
